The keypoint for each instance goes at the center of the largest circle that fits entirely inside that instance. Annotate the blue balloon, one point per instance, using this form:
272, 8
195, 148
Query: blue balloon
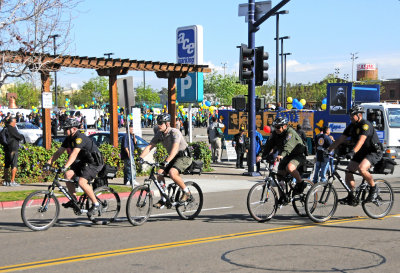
300, 106
324, 101
207, 103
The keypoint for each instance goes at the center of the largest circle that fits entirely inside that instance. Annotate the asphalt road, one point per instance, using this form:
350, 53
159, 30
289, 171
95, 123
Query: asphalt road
224, 238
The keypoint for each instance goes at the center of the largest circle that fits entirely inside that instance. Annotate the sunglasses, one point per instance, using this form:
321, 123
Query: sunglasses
278, 127
160, 122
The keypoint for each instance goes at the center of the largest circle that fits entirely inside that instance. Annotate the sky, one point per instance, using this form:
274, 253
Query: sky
323, 34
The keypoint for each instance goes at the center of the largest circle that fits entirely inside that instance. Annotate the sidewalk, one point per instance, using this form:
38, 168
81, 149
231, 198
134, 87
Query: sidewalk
225, 177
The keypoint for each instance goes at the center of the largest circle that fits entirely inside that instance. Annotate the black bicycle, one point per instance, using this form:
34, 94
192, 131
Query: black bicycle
322, 199
41, 209
263, 201
140, 201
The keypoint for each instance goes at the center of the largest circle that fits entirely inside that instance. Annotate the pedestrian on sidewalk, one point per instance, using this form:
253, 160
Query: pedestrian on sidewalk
215, 138
128, 156
240, 147
11, 152
322, 143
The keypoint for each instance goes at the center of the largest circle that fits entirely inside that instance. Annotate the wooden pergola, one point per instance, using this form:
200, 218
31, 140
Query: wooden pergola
45, 63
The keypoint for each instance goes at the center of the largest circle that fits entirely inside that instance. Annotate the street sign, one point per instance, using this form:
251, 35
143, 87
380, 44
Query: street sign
261, 8
47, 100
190, 89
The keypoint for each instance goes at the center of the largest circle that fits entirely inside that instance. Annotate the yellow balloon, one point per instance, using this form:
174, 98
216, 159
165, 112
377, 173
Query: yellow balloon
323, 106
289, 99
183, 113
205, 107
289, 106
212, 108
303, 102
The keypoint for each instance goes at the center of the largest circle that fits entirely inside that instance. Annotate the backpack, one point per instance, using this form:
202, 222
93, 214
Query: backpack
4, 137
218, 132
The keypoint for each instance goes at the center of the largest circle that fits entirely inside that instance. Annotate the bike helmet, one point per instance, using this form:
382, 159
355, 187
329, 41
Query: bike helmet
70, 123
280, 121
163, 118
356, 109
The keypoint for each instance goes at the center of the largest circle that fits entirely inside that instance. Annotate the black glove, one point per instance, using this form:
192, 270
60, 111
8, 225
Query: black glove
165, 164
141, 160
46, 167
350, 155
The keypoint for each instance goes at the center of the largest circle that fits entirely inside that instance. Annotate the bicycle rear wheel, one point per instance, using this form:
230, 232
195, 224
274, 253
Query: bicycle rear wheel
262, 202
321, 202
299, 200
40, 210
192, 207
139, 204
383, 203
110, 205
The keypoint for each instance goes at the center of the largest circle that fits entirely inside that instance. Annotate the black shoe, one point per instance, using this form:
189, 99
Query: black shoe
69, 204
299, 188
348, 200
93, 210
373, 194
159, 205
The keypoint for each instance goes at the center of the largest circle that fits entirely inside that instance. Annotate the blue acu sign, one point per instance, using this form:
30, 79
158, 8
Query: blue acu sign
189, 50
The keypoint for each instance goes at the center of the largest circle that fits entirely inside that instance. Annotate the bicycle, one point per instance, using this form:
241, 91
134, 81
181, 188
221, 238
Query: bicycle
262, 200
322, 199
140, 200
41, 209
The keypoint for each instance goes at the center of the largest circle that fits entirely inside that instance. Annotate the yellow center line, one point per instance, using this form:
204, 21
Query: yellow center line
99, 255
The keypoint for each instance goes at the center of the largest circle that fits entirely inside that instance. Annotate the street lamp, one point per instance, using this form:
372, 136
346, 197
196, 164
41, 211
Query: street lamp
346, 77
353, 57
282, 38
337, 71
55, 72
224, 66
284, 89
277, 53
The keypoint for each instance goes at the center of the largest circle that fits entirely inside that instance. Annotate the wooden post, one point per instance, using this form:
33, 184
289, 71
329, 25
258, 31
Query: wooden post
44, 75
172, 100
113, 110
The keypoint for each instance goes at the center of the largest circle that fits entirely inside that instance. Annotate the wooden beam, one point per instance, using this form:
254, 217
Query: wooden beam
172, 100
113, 110
44, 75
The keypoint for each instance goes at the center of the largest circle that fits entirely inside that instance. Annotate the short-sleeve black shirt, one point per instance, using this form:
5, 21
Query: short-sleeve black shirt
87, 146
362, 128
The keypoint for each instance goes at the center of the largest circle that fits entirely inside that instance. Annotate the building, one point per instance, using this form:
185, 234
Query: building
391, 89
367, 72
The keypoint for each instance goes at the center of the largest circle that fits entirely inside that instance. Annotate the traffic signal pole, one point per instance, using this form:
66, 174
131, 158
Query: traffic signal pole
253, 27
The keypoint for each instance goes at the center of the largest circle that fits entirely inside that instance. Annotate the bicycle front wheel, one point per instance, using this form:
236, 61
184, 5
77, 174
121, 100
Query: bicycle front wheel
110, 205
299, 200
40, 210
383, 203
139, 204
321, 202
262, 202
191, 208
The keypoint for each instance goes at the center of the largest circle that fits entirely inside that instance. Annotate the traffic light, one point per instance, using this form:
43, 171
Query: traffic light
246, 64
261, 66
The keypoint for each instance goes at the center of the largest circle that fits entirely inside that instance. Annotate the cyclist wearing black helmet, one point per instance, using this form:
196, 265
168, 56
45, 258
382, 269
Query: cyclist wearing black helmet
291, 151
367, 151
178, 159
85, 161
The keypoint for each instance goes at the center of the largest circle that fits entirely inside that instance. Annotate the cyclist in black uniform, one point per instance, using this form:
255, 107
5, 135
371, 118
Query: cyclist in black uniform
85, 161
367, 152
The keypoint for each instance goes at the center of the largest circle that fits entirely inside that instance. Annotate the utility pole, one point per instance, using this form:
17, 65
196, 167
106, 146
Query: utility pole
224, 66
55, 72
353, 57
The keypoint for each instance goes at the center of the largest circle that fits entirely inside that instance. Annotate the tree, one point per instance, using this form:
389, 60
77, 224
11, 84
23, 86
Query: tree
146, 95
25, 27
94, 88
223, 87
27, 95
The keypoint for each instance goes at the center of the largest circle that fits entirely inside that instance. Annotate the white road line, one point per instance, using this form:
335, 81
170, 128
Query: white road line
170, 213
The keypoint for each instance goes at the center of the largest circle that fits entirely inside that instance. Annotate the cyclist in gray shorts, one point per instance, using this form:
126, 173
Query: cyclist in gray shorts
178, 159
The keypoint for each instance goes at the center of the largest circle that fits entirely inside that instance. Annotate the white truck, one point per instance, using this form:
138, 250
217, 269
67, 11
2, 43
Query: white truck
385, 117
91, 115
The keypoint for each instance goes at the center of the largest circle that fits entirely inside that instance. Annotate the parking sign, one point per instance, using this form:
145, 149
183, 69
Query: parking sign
190, 89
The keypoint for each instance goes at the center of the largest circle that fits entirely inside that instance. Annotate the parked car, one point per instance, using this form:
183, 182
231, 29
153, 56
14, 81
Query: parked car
30, 131
39, 141
104, 137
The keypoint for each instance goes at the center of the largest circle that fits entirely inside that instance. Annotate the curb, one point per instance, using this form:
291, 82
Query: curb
17, 204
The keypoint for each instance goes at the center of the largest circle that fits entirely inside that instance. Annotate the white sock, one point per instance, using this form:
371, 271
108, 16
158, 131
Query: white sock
186, 190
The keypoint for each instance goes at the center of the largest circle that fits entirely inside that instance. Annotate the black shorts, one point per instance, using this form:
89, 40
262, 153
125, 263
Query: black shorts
87, 171
373, 158
10, 159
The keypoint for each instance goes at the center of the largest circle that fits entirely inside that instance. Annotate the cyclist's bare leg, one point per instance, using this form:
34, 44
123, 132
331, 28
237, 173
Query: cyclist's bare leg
174, 174
70, 186
160, 178
363, 169
353, 166
292, 169
83, 183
